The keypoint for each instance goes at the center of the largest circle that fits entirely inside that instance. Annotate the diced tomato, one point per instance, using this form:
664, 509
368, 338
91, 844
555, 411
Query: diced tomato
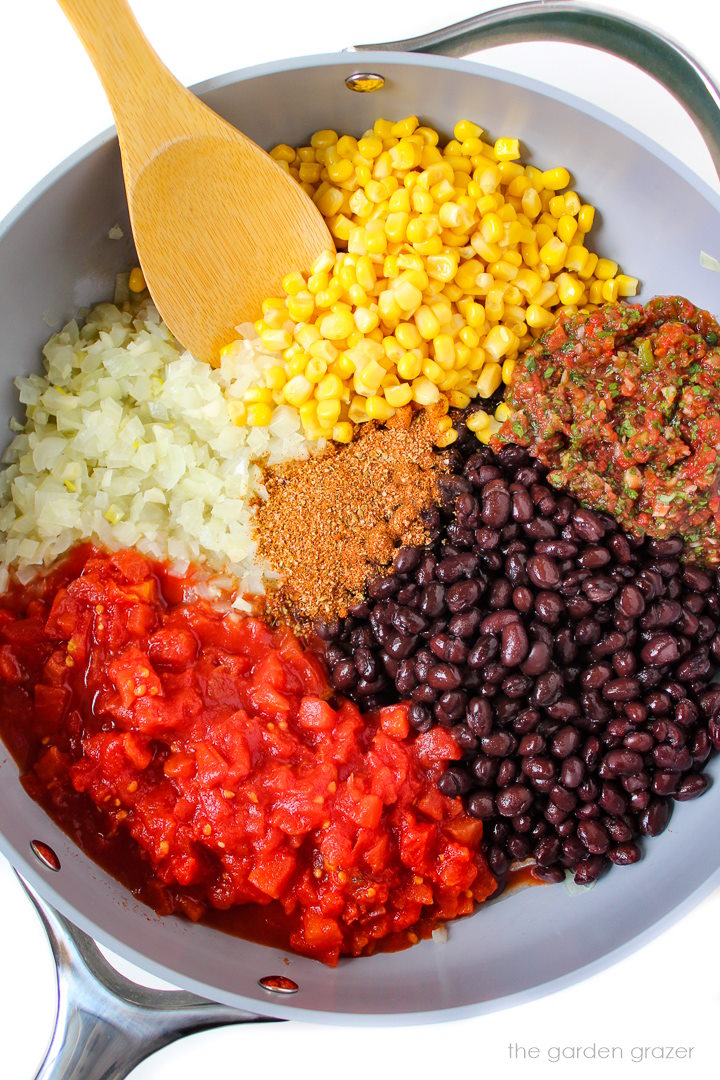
272, 872
315, 714
214, 750
437, 745
394, 721
175, 648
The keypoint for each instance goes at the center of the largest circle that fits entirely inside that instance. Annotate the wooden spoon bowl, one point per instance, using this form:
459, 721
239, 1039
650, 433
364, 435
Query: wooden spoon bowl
217, 223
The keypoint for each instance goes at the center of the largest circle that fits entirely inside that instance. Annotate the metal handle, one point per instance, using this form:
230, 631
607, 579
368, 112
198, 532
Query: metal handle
562, 20
106, 1024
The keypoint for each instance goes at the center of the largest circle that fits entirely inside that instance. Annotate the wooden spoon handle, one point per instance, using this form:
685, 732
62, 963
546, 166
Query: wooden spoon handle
149, 105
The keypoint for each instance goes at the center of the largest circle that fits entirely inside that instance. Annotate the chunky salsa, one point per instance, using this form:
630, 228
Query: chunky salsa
623, 405
200, 755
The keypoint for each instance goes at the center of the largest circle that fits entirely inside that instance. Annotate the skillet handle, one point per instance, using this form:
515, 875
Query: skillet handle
106, 1024
563, 20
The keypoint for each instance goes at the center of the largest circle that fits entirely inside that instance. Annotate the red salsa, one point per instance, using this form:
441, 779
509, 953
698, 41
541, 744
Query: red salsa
200, 756
623, 405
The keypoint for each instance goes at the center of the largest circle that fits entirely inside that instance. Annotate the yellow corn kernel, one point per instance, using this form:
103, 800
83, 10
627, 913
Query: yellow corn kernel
508, 370
323, 138
283, 152
409, 366
446, 438
330, 386
553, 253
340, 171
478, 420
610, 291
458, 399
595, 293
570, 289
388, 308
494, 305
331, 201
310, 172
627, 286
402, 128
606, 269
556, 179
538, 317
407, 296
443, 191
340, 227
586, 217
427, 322
275, 377
507, 149
466, 129
297, 391
369, 378
503, 412
328, 412
398, 396
275, 340
576, 257
316, 368
308, 414
306, 335
377, 408
259, 414
258, 394
444, 350
566, 228
556, 205
405, 155
432, 371
489, 380
408, 335
469, 336
343, 432
425, 392
293, 283
336, 326
499, 341
366, 319
323, 350
237, 411
136, 280
589, 268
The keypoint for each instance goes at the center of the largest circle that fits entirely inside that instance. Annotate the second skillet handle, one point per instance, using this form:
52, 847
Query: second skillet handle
562, 20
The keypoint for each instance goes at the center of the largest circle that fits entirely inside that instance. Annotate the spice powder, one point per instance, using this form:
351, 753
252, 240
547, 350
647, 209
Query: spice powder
333, 521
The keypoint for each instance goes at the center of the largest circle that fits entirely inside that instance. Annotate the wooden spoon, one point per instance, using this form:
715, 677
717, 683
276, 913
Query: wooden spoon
217, 223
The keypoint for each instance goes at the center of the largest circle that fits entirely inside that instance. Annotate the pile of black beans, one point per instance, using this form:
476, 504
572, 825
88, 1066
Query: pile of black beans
572, 662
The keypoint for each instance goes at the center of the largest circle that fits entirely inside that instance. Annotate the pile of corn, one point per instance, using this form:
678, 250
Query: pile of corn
450, 261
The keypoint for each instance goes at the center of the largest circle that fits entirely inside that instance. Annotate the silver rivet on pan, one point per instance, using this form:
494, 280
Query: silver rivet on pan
279, 984
45, 854
364, 82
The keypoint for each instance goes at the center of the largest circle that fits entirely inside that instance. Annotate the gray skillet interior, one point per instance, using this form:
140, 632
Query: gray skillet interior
55, 256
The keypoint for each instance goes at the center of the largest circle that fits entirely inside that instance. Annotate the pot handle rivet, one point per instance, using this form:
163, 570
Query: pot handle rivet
364, 82
278, 984
45, 854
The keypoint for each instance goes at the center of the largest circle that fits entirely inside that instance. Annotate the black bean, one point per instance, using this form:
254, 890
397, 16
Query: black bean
543, 572
444, 677
547, 688
419, 716
624, 854
660, 649
514, 799
655, 817
496, 505
691, 786
500, 744
344, 675
590, 869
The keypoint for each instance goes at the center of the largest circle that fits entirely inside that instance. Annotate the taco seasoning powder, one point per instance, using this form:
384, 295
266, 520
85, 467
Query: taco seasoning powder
333, 521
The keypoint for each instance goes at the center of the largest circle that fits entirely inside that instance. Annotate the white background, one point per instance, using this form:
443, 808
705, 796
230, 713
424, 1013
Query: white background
668, 993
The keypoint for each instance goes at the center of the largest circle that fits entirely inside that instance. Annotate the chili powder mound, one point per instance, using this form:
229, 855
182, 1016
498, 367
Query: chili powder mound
333, 521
